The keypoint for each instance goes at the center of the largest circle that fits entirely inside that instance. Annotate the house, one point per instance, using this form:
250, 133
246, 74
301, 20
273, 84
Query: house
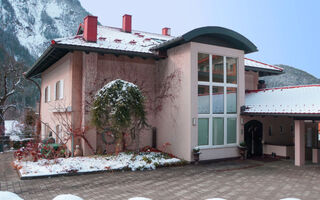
200, 91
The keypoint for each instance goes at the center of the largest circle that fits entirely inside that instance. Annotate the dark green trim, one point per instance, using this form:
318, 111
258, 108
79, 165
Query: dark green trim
235, 39
295, 115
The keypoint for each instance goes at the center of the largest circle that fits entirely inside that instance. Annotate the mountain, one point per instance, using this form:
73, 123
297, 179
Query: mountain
26, 29
291, 76
28, 26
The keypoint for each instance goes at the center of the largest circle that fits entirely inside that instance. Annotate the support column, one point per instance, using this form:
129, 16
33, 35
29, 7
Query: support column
89, 79
315, 155
299, 142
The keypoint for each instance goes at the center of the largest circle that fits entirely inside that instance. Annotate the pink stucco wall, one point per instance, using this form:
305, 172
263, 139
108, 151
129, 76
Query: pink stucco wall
174, 120
61, 70
251, 80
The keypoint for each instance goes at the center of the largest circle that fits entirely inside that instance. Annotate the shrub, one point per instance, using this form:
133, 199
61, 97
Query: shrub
119, 108
33, 151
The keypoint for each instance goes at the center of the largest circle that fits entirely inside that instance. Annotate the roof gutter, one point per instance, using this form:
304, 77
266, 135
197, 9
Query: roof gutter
257, 69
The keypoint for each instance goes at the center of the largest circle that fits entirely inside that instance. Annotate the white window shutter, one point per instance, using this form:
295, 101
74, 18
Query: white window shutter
49, 92
44, 95
54, 92
61, 89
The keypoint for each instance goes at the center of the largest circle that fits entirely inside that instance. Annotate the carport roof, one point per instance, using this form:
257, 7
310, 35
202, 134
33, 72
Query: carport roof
301, 100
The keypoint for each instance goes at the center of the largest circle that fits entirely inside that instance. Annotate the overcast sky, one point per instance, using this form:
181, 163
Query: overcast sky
285, 31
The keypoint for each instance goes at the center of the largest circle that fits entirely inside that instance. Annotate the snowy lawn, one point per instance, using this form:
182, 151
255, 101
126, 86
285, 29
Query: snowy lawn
123, 161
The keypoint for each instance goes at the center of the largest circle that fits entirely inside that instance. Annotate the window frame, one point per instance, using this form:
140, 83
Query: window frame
58, 91
224, 115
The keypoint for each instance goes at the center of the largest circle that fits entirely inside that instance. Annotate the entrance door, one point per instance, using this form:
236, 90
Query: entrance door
253, 137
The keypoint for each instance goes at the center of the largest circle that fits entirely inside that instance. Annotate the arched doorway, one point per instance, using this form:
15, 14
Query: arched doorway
253, 137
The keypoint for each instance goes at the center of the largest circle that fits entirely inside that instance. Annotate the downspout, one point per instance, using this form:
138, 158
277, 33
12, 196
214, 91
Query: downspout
38, 131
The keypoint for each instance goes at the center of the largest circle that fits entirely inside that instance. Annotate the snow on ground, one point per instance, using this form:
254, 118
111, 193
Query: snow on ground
13, 129
45, 167
139, 198
9, 196
67, 197
216, 199
290, 199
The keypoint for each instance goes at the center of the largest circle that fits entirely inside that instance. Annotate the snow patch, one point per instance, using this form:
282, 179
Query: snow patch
9, 196
122, 161
67, 197
139, 198
125, 86
290, 199
53, 9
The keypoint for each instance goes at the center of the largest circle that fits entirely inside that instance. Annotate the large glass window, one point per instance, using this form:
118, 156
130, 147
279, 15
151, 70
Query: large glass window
217, 100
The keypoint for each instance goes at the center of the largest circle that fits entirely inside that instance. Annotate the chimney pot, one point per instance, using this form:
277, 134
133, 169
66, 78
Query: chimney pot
166, 31
126, 23
90, 28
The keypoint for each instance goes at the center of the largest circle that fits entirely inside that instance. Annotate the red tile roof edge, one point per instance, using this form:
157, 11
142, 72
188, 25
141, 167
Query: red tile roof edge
281, 88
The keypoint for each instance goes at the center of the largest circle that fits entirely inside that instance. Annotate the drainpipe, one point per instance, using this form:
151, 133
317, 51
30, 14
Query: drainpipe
39, 118
72, 145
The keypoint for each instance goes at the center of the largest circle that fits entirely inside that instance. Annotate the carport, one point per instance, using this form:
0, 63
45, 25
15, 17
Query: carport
299, 106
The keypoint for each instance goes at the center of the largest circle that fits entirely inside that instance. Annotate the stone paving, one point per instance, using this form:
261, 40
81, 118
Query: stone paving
239, 180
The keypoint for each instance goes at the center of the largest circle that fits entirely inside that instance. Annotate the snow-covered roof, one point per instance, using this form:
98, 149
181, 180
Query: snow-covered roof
116, 39
300, 100
260, 65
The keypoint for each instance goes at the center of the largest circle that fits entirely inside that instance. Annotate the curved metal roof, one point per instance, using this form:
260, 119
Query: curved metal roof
228, 36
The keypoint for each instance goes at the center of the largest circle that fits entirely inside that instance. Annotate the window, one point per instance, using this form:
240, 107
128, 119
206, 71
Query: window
59, 90
217, 131
203, 99
281, 130
232, 130
217, 69
203, 67
47, 94
203, 131
217, 100
270, 130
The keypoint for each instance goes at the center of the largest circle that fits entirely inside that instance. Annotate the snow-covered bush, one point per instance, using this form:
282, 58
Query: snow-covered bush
119, 108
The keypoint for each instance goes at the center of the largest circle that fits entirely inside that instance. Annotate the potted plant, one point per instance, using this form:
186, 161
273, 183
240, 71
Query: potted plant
196, 154
243, 150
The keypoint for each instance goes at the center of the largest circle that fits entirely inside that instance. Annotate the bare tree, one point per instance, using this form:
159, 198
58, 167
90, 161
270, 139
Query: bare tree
10, 84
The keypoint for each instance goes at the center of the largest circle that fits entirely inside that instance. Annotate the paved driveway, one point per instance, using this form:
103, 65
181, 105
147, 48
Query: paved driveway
230, 180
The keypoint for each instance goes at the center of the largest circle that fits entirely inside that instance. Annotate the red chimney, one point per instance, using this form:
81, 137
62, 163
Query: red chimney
90, 28
126, 23
166, 31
